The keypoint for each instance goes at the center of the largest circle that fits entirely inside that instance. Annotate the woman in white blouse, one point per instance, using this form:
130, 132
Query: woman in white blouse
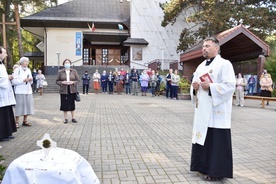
23, 91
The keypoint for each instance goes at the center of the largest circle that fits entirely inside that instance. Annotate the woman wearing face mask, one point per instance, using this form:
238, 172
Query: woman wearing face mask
67, 79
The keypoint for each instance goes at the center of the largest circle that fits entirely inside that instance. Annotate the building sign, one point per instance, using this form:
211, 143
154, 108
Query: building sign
78, 43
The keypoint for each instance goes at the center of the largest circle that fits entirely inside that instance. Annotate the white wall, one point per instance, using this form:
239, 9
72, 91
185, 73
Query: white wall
61, 40
146, 18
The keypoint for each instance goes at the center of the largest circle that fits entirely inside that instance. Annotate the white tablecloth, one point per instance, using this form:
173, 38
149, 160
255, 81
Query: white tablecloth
62, 166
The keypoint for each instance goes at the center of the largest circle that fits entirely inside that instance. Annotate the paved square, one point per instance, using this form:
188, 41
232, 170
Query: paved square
145, 140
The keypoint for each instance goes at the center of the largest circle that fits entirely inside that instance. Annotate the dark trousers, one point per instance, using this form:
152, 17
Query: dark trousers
110, 87
104, 89
174, 91
34, 86
153, 90
85, 88
168, 90
128, 89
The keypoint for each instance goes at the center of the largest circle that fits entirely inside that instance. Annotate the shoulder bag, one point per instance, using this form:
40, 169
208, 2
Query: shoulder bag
77, 97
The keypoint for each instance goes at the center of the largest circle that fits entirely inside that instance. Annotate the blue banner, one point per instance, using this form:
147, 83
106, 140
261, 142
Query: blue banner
78, 43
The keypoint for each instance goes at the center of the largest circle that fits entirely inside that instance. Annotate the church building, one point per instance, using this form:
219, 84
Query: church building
105, 32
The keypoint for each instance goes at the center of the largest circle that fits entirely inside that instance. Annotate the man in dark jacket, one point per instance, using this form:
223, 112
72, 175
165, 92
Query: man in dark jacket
85, 82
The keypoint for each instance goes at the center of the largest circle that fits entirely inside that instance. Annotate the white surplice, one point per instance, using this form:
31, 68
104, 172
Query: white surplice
215, 110
6, 91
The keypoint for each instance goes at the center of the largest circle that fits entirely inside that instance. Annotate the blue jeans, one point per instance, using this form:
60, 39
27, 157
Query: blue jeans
251, 88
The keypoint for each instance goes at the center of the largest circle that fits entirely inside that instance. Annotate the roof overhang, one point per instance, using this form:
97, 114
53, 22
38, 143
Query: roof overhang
103, 38
236, 44
39, 56
135, 41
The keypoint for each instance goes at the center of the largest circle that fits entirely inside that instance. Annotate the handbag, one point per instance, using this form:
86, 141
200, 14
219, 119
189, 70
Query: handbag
45, 83
77, 98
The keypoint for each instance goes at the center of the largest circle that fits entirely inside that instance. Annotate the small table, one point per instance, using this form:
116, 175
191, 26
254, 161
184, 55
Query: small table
62, 166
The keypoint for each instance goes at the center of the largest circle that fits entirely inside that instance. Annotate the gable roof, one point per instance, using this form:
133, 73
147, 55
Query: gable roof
81, 11
236, 44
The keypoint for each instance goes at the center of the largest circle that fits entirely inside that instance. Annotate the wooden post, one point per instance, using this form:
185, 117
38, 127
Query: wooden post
4, 23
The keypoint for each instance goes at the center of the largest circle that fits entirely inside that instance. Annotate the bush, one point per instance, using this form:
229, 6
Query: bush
184, 85
273, 94
2, 168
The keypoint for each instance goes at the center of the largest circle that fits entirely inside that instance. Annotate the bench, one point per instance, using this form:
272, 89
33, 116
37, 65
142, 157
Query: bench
262, 98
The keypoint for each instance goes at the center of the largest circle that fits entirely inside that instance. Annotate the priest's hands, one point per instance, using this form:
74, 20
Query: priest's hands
195, 85
205, 85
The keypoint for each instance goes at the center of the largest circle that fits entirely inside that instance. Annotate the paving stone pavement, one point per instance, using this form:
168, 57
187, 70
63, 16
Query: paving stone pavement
145, 140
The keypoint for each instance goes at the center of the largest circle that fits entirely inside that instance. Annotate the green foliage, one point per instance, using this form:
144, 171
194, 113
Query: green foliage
29, 42
270, 64
273, 94
184, 85
2, 168
258, 16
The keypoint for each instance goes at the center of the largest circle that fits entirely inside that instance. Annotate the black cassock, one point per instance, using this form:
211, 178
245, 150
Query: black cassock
7, 122
215, 157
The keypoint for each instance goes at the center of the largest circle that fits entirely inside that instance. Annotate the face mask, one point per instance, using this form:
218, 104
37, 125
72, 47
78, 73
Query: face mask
67, 65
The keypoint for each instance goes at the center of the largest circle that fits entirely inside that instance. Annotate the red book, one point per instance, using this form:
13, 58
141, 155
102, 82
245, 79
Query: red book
206, 77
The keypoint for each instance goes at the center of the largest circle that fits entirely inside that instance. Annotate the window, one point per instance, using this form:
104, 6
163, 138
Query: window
85, 55
137, 53
105, 54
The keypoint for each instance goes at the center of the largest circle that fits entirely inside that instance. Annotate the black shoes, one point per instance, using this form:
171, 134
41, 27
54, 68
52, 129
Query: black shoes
73, 120
7, 138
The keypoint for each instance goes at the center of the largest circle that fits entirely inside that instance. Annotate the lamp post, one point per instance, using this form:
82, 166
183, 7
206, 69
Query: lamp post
58, 54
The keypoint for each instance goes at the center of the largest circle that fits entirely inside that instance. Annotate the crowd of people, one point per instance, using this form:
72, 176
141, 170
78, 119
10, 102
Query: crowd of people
244, 87
146, 81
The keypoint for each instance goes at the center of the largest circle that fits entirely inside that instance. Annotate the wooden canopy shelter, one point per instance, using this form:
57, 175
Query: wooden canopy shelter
236, 44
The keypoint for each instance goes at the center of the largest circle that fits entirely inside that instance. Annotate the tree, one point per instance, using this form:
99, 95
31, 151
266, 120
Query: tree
12, 8
214, 16
270, 64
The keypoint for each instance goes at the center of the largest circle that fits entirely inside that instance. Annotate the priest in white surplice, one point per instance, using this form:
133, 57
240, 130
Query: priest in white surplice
212, 89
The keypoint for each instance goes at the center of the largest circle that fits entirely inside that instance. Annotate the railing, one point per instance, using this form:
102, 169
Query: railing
144, 65
165, 63
76, 61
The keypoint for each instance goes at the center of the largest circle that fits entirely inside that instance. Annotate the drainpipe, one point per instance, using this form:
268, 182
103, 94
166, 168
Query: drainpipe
45, 46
